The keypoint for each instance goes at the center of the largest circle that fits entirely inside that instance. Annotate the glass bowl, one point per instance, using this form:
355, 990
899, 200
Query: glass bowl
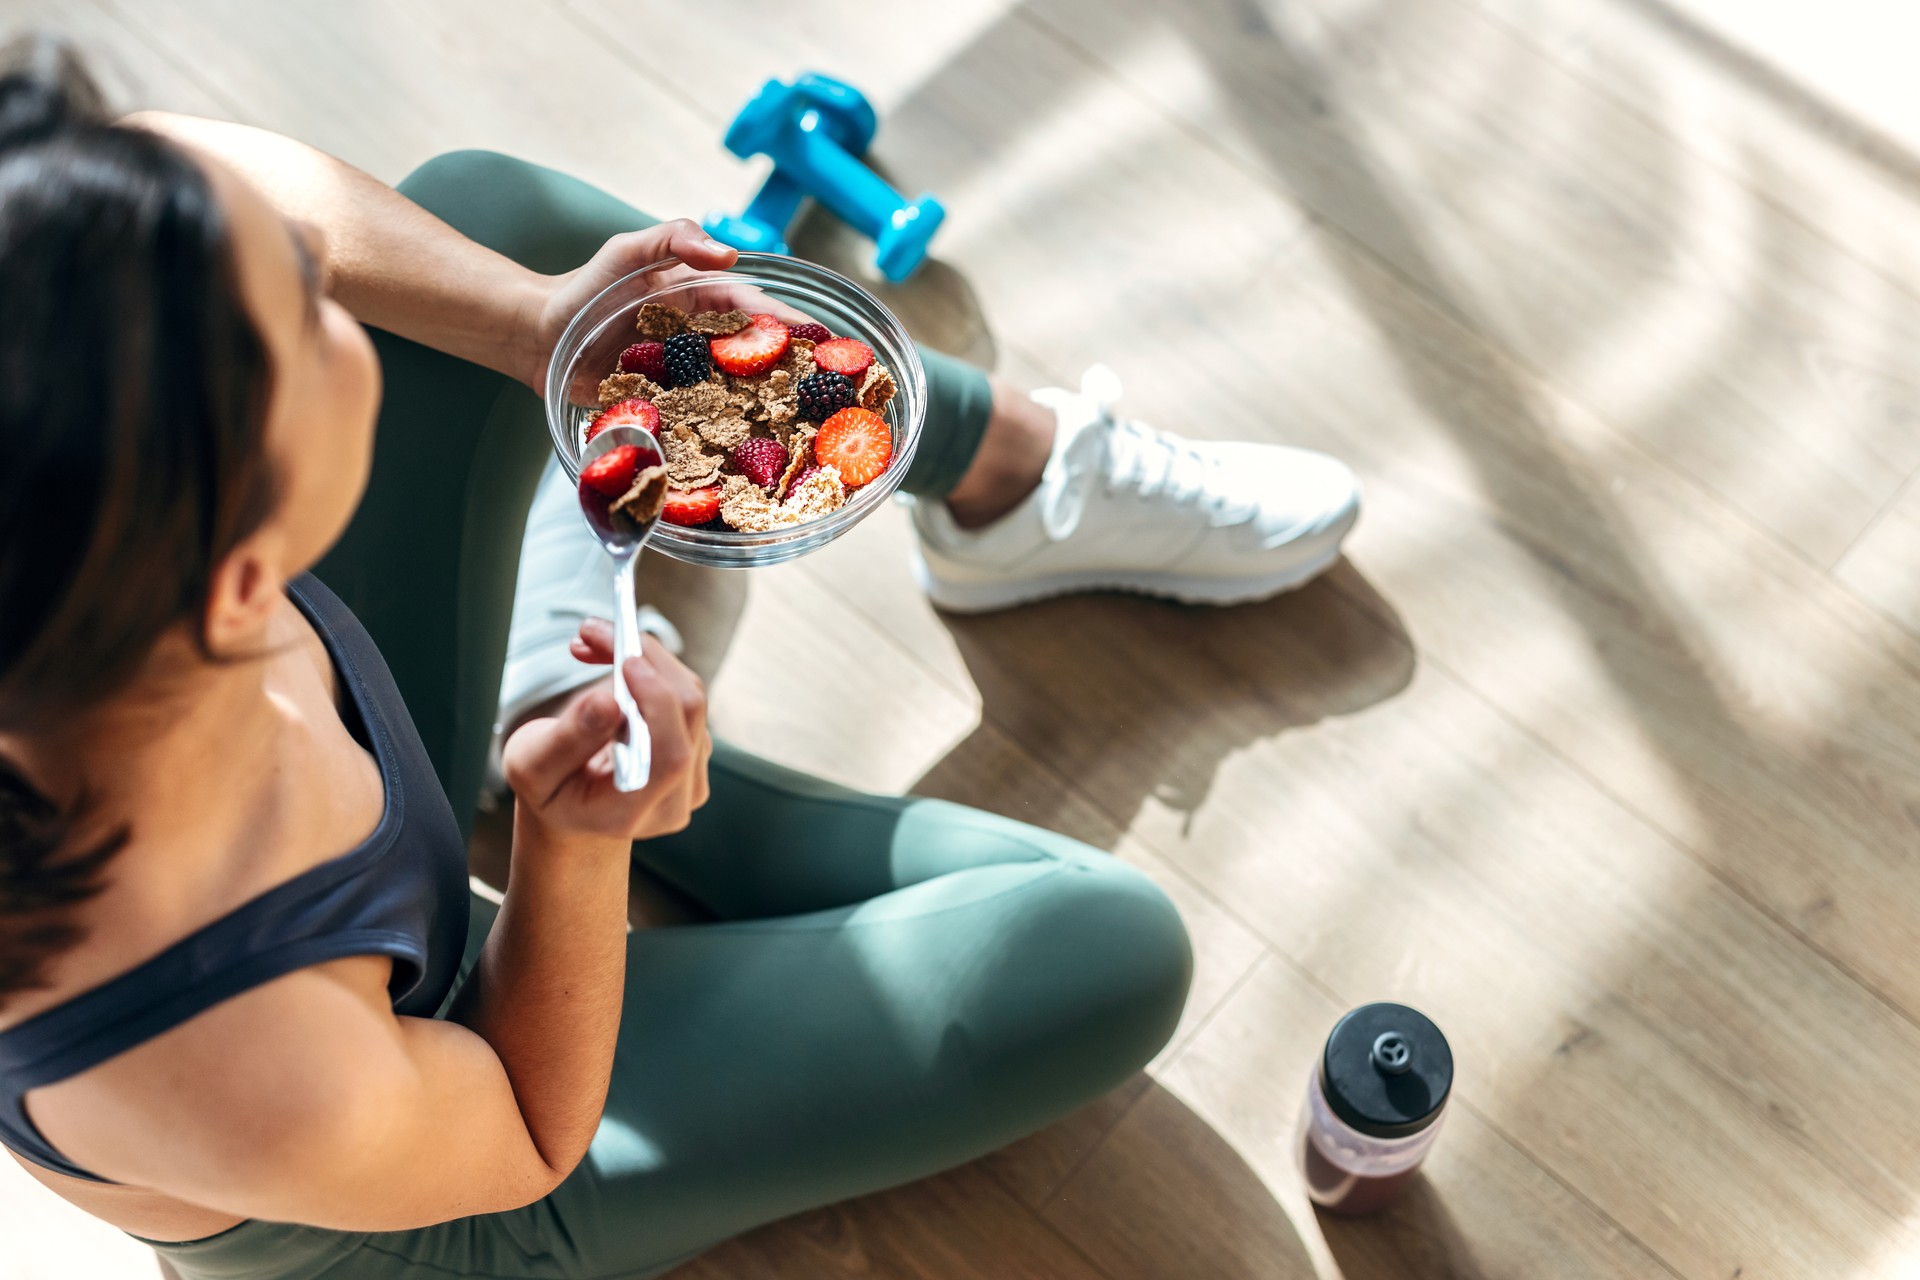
590, 349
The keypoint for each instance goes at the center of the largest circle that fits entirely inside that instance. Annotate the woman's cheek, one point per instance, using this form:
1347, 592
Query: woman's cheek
352, 380
358, 371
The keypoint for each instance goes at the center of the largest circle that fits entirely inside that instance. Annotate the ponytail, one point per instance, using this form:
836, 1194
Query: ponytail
44, 89
38, 886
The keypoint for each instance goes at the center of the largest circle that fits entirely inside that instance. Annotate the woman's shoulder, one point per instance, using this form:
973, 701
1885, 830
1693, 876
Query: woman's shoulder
261, 1073
213, 828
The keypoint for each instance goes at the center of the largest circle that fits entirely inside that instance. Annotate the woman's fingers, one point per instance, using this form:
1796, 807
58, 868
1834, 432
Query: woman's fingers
543, 754
660, 707
594, 643
674, 750
691, 696
692, 693
681, 238
693, 246
673, 702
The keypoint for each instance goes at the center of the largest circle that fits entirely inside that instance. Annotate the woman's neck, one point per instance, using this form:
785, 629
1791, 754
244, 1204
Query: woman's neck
188, 756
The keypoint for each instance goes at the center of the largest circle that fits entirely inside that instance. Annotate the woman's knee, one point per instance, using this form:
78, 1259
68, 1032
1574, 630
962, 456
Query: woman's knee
1139, 942
445, 183
1102, 962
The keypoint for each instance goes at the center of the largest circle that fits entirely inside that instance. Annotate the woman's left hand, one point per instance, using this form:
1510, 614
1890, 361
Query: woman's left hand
621, 256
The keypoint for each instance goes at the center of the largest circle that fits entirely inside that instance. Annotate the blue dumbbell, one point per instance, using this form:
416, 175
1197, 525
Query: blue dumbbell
815, 131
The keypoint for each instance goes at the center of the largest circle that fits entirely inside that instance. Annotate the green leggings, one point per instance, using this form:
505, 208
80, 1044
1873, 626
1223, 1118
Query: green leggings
893, 986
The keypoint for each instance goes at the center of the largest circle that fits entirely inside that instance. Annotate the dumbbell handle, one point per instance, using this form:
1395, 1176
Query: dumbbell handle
840, 181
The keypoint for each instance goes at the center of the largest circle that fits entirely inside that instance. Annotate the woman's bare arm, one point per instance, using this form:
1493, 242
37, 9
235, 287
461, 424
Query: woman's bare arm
399, 268
307, 1101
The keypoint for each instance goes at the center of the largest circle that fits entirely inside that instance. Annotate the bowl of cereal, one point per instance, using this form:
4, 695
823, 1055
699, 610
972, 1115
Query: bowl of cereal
787, 400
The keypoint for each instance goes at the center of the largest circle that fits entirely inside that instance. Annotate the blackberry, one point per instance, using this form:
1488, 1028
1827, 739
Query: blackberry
824, 394
687, 358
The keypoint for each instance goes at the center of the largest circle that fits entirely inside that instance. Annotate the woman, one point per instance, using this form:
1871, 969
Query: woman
249, 1011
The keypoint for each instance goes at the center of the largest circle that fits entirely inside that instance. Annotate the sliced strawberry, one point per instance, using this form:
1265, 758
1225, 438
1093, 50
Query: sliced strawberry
857, 443
754, 349
691, 506
611, 474
627, 413
848, 356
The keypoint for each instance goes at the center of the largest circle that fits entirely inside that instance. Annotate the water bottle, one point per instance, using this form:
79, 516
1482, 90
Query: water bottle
1374, 1106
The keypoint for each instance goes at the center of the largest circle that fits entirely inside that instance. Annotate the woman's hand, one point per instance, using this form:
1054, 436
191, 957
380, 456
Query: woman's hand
621, 256
561, 767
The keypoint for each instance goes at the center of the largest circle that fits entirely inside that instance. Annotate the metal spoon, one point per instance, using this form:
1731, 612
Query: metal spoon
633, 748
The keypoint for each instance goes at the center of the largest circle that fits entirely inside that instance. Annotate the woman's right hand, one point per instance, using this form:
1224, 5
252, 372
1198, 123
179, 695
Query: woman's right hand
561, 766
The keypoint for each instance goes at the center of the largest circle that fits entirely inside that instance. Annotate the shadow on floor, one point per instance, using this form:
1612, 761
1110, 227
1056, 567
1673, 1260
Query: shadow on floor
1112, 1192
937, 304
1127, 700
1768, 79
1169, 1188
1416, 1238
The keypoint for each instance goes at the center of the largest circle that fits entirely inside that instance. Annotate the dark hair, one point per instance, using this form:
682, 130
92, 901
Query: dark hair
133, 388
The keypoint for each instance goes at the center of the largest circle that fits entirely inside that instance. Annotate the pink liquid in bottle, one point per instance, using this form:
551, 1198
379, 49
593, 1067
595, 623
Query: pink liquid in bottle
1373, 1108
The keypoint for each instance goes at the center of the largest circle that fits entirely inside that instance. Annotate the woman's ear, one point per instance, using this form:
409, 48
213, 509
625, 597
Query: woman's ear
247, 587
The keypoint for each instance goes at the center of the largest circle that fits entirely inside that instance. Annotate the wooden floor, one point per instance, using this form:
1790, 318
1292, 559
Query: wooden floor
1604, 748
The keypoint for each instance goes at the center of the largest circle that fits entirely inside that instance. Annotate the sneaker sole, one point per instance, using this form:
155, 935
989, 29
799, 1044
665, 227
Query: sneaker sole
986, 597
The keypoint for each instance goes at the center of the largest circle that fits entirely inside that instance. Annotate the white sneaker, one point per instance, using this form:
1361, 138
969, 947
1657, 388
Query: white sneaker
1124, 507
564, 579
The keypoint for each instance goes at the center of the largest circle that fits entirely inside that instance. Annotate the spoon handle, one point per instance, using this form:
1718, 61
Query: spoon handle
633, 749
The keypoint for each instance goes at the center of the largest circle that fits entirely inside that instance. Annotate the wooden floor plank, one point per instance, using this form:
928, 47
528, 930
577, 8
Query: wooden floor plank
129, 69
1841, 64
1008, 130
906, 725
1883, 567
1656, 290
1724, 688
1711, 966
1385, 865
386, 86
1843, 175
959, 1226
1744, 703
717, 65
1166, 1194
1478, 1211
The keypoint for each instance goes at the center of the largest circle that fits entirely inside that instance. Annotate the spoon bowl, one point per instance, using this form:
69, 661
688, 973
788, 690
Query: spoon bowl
619, 537
623, 537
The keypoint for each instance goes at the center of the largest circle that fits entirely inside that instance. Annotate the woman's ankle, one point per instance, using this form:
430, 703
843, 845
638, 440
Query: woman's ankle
1006, 468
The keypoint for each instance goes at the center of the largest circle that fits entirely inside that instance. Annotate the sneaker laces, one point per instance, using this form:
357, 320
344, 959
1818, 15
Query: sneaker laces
1149, 462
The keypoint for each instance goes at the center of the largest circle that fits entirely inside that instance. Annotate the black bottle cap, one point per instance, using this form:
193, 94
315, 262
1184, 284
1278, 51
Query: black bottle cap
1387, 1070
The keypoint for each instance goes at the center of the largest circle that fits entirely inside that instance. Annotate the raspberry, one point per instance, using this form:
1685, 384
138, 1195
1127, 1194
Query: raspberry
810, 332
806, 473
648, 359
687, 359
760, 460
825, 393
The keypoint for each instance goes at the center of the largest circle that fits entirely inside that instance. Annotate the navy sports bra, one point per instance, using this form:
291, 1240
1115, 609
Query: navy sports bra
402, 893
